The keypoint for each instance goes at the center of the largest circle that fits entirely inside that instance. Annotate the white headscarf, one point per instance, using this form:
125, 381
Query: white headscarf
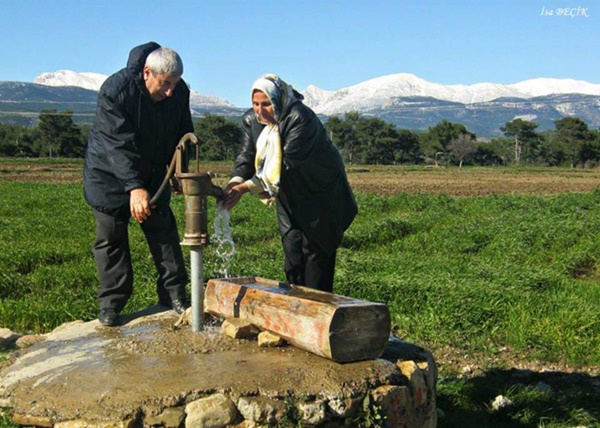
268, 146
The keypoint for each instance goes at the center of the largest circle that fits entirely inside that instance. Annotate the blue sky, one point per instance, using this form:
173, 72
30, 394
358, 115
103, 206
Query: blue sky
227, 44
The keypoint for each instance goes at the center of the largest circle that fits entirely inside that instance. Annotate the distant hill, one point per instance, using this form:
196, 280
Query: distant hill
414, 103
486, 118
403, 99
21, 103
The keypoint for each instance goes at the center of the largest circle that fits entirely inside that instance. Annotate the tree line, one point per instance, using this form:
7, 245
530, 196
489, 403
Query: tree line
360, 139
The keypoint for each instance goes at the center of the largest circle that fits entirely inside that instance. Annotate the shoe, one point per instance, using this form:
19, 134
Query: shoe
108, 317
179, 305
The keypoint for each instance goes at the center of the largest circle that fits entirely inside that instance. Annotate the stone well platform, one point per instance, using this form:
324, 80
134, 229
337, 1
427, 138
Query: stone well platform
146, 372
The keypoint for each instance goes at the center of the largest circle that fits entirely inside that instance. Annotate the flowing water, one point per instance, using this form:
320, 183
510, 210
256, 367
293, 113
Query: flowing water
223, 241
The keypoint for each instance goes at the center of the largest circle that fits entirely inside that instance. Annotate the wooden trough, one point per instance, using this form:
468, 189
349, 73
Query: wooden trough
340, 328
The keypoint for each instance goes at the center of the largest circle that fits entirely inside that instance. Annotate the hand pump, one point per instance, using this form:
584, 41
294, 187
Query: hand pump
196, 187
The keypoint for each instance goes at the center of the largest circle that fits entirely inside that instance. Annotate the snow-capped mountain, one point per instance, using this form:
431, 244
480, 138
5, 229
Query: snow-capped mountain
405, 100
94, 81
381, 92
91, 81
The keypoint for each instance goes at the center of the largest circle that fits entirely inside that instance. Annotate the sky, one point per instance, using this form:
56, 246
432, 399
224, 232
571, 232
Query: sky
227, 44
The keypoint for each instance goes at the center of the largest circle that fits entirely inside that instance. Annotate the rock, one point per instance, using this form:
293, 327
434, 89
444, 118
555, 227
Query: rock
416, 381
171, 417
184, 319
215, 411
345, 408
238, 328
80, 423
501, 403
266, 339
67, 326
29, 339
543, 388
261, 410
29, 420
393, 404
7, 338
313, 413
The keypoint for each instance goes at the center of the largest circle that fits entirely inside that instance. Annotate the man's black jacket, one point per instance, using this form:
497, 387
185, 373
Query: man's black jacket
133, 138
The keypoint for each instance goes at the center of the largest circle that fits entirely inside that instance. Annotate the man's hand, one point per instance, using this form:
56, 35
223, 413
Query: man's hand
233, 194
139, 204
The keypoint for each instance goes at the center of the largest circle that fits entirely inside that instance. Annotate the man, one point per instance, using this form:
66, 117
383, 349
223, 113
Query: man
142, 113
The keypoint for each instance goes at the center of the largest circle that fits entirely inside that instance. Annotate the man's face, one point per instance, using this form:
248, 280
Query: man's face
160, 86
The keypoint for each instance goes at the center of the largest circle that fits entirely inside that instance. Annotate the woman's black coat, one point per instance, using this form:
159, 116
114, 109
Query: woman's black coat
314, 191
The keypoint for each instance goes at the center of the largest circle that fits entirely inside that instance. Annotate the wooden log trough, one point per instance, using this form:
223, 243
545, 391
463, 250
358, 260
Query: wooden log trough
336, 327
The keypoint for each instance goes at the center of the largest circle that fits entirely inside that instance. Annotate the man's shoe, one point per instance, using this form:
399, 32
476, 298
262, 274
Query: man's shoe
108, 317
179, 305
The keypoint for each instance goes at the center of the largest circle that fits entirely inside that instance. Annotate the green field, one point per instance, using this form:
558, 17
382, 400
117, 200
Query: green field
504, 289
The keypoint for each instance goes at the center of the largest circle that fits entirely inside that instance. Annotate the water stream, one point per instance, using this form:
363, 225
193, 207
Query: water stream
223, 242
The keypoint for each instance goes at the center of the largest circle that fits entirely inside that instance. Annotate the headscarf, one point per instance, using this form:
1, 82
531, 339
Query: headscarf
280, 93
268, 146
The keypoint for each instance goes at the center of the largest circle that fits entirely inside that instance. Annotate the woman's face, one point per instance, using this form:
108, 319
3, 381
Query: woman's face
262, 107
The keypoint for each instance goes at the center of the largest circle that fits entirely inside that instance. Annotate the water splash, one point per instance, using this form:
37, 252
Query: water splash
223, 240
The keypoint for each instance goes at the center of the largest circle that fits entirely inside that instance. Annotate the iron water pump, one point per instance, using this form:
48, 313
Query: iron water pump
196, 187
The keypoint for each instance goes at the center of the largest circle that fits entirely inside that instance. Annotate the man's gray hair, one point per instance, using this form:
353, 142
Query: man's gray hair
165, 60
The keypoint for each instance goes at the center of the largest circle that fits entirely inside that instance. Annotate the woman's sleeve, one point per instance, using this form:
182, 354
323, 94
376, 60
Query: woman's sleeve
244, 162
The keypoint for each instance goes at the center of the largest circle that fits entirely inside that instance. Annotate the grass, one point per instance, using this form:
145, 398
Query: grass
506, 283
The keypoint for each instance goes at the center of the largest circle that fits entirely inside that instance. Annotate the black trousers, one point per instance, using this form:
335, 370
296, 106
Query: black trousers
306, 263
113, 257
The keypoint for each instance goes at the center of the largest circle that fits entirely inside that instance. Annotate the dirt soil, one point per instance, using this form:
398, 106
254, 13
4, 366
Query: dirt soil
376, 179
88, 371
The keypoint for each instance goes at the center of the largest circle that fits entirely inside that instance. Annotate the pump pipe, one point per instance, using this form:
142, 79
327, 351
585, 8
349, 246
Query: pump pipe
196, 187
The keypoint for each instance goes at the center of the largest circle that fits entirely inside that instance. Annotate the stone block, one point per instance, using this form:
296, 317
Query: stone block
215, 411
261, 409
7, 338
266, 339
238, 328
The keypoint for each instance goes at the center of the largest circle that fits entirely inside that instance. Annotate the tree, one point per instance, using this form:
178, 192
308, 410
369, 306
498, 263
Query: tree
590, 151
60, 136
219, 137
502, 148
461, 147
573, 134
524, 136
344, 134
379, 140
407, 149
436, 141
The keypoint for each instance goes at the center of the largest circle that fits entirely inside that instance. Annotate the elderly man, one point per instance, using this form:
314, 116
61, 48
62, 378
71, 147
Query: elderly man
142, 113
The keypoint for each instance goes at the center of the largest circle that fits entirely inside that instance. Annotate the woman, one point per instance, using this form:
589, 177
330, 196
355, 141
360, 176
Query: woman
288, 157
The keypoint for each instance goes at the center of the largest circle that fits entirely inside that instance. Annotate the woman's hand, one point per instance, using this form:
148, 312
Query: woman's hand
233, 194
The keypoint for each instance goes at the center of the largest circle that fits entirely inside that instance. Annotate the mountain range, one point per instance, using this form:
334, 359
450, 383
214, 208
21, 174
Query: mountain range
403, 99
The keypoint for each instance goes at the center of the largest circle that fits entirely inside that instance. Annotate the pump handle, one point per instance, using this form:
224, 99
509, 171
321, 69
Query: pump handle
190, 136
